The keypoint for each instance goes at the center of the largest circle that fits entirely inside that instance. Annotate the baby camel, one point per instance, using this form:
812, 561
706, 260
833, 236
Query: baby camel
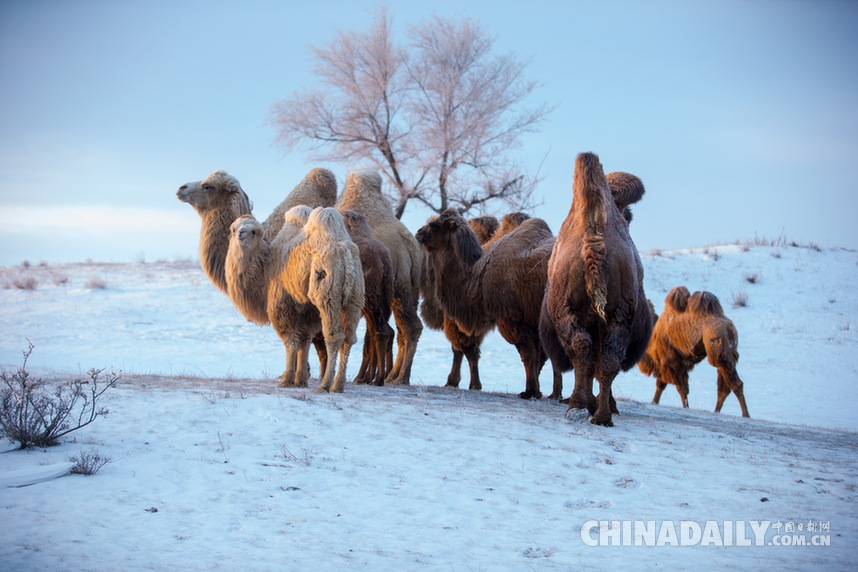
693, 327
317, 265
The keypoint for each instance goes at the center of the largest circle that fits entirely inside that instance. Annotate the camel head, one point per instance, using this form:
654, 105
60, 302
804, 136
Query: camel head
213, 192
450, 231
247, 231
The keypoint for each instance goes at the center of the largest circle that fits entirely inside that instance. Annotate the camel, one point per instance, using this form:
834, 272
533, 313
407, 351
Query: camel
362, 194
219, 200
487, 230
250, 272
307, 264
378, 279
503, 286
693, 327
595, 318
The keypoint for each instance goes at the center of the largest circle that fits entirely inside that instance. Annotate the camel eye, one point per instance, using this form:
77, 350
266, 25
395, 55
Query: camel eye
207, 187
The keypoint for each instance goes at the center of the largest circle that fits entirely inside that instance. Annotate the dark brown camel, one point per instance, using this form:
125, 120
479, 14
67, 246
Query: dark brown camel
595, 317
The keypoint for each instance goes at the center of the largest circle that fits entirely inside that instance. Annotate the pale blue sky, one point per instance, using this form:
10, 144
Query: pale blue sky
741, 118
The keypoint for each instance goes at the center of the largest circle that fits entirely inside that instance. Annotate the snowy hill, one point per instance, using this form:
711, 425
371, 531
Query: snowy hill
248, 476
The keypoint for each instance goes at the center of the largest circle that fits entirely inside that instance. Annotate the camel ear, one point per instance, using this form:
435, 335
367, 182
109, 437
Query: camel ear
467, 246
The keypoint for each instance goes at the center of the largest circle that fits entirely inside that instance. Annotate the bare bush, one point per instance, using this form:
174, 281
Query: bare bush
96, 283
25, 282
751, 278
36, 414
740, 299
88, 462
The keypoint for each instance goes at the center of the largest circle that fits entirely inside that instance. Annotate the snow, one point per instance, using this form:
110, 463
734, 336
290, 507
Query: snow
215, 467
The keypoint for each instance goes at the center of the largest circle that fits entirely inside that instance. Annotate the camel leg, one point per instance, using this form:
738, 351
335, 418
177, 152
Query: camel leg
340, 381
290, 374
455, 375
384, 354
530, 359
659, 389
472, 353
557, 387
322, 352
302, 362
409, 327
365, 373
602, 416
729, 381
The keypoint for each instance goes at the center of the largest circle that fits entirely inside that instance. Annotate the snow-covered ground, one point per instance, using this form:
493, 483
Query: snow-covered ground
246, 476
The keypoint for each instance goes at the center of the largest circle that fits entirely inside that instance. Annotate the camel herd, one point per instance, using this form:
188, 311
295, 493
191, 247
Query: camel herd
321, 261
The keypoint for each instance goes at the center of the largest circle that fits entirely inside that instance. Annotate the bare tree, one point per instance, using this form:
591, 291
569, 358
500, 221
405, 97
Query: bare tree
439, 120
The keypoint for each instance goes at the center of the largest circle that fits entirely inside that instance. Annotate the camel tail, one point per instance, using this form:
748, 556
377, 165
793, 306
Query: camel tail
592, 192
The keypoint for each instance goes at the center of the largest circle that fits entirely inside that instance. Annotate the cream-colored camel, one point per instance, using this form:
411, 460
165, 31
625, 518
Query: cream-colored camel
317, 265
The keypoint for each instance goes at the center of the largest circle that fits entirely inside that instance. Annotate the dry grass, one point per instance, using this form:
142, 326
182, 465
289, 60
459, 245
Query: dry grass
96, 283
751, 278
740, 299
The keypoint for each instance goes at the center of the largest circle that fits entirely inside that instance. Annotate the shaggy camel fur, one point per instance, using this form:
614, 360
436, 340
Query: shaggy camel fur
693, 327
484, 227
487, 231
362, 194
378, 280
503, 286
595, 317
315, 265
251, 272
219, 200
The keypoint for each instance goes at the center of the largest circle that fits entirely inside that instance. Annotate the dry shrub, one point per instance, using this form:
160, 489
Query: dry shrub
751, 278
36, 414
88, 462
96, 283
740, 298
25, 282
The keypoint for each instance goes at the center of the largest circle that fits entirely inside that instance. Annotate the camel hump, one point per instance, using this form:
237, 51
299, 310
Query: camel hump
625, 188
705, 304
677, 299
591, 193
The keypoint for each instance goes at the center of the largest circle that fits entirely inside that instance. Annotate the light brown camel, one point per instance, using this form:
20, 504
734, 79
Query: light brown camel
219, 200
693, 327
251, 271
318, 265
378, 280
362, 194
595, 317
503, 286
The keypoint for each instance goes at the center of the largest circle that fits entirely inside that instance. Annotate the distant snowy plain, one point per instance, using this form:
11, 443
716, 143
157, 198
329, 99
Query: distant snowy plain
247, 476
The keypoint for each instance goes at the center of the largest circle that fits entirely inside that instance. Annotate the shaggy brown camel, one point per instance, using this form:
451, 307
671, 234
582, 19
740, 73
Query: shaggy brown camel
318, 265
219, 200
362, 194
595, 317
693, 327
487, 230
378, 279
503, 286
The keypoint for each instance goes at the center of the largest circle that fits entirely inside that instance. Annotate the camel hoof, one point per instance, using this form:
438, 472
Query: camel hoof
452, 385
529, 395
397, 382
604, 421
475, 387
320, 389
